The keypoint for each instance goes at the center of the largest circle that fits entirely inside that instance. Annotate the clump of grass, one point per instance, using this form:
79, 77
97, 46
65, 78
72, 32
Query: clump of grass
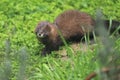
23, 58
107, 55
5, 69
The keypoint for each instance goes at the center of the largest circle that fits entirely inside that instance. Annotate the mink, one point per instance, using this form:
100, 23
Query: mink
71, 24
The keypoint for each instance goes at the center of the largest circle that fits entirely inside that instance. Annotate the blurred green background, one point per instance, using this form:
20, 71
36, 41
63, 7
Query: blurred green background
18, 43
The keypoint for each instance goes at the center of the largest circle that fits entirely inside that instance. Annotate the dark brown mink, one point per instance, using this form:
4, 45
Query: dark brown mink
72, 24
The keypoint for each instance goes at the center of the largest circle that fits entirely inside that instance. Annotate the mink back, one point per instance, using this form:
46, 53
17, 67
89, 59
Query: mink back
73, 22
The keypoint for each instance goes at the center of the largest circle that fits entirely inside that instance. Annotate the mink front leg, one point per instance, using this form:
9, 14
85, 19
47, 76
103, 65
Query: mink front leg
52, 46
45, 51
48, 49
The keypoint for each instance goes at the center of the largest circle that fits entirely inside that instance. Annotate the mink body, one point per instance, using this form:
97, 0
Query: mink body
72, 24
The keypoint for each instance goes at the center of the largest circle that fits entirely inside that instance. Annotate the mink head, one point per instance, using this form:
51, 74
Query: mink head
43, 30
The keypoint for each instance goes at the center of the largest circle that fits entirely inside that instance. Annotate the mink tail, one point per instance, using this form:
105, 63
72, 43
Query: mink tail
112, 26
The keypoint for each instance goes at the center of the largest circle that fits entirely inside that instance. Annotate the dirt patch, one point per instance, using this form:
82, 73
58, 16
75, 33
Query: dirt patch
75, 48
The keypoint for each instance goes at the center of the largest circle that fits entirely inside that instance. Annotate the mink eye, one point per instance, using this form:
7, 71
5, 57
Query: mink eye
40, 34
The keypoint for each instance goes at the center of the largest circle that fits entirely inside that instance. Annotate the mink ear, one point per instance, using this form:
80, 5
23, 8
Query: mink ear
48, 27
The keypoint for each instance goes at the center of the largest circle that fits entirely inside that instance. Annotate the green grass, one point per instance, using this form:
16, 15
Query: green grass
19, 46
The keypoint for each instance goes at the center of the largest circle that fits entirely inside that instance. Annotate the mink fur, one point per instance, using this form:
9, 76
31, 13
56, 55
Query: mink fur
72, 24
